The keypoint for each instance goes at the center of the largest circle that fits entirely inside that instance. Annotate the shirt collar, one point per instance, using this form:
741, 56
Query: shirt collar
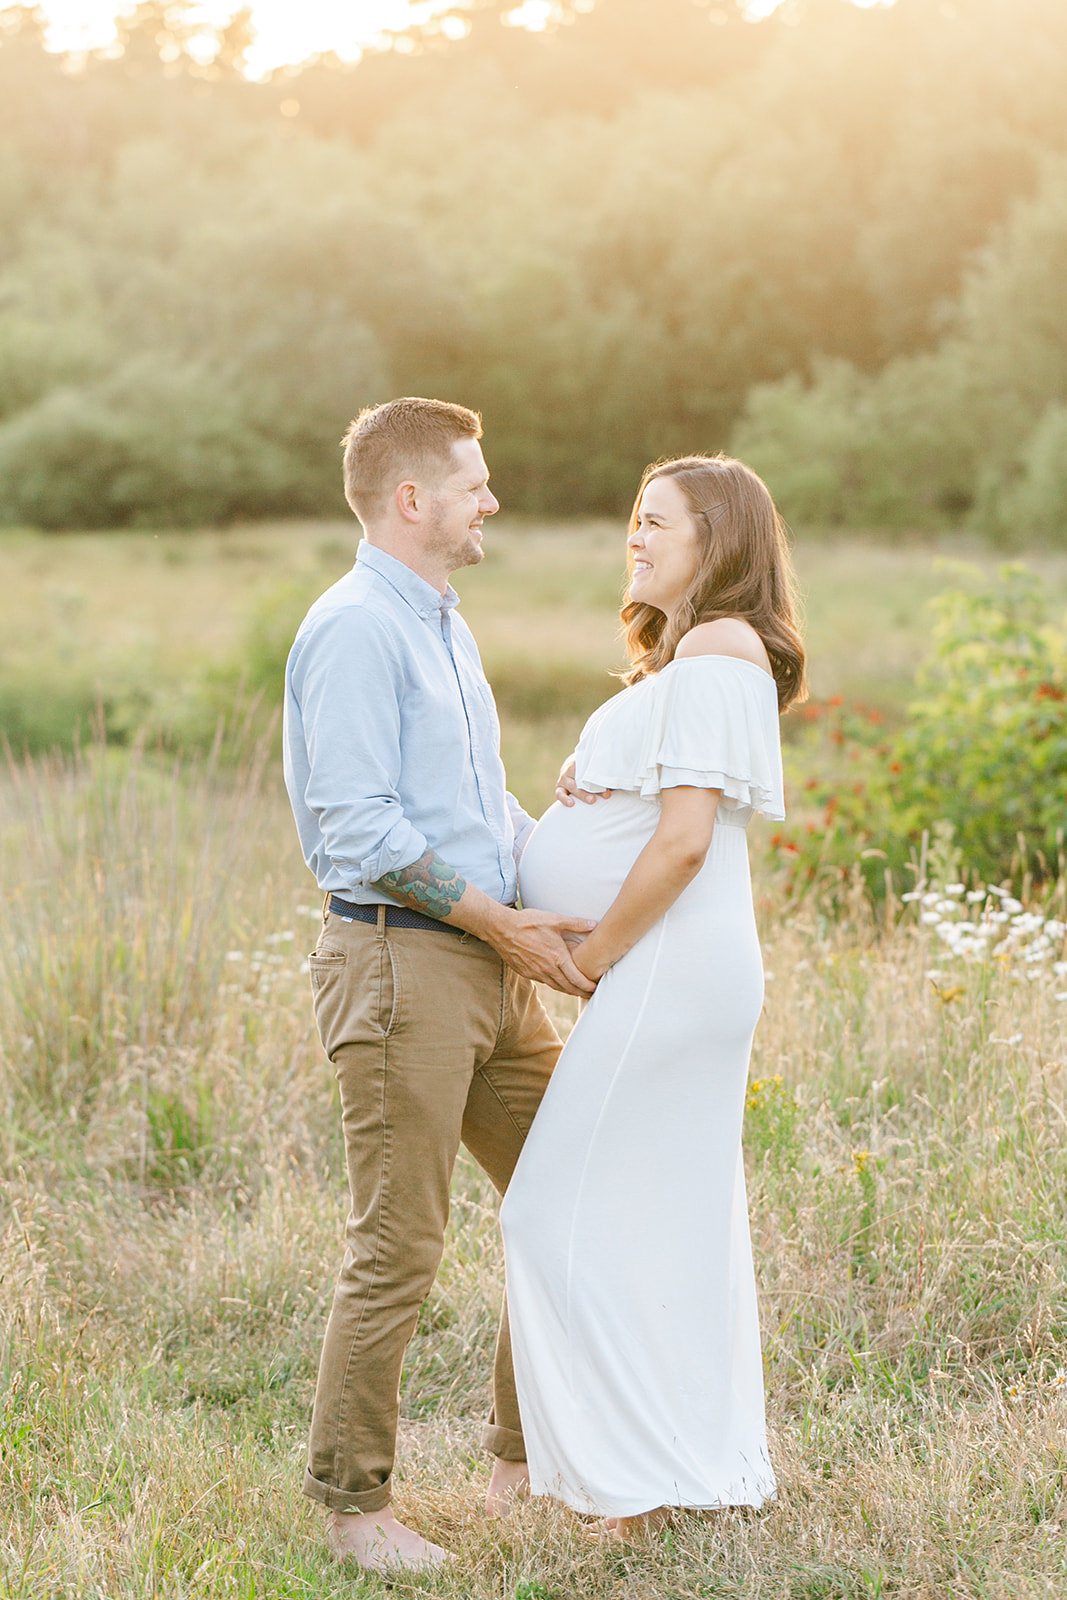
421, 596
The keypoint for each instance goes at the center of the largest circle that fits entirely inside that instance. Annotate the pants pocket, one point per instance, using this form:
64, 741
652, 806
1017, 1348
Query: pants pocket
388, 991
355, 994
322, 964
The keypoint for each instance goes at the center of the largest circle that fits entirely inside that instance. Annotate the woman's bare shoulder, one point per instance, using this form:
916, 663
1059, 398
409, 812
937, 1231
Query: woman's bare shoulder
726, 636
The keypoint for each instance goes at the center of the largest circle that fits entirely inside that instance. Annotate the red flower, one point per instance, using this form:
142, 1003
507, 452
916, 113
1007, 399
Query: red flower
1050, 691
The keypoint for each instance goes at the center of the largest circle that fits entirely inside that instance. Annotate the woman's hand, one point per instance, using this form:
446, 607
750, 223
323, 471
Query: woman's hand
567, 791
587, 963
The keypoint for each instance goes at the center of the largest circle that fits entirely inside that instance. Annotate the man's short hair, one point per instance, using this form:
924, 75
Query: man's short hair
402, 439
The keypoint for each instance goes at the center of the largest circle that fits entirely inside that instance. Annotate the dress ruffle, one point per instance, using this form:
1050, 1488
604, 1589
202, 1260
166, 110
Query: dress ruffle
709, 722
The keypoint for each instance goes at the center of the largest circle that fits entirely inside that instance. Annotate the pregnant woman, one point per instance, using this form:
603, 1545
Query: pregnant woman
629, 1266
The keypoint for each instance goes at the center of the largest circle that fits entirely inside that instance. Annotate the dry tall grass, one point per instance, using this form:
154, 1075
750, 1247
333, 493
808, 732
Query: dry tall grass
173, 1198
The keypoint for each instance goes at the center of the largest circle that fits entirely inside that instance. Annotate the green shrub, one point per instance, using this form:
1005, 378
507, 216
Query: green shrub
983, 752
985, 747
894, 449
842, 816
807, 442
153, 443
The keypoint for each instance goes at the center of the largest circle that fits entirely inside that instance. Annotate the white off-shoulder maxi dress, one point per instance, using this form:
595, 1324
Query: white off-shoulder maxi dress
629, 1264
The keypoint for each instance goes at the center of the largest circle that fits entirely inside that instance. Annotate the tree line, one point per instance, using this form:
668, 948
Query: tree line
834, 240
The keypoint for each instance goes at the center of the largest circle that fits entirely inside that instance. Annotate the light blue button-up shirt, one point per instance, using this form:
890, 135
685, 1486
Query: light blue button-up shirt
391, 739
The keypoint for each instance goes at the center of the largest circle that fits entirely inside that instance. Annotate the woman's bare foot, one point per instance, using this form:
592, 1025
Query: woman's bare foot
376, 1541
627, 1529
509, 1483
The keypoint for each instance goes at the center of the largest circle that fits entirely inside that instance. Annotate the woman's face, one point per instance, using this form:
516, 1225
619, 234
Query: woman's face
665, 547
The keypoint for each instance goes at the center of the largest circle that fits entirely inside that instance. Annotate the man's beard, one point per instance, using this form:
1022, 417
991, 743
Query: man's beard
455, 549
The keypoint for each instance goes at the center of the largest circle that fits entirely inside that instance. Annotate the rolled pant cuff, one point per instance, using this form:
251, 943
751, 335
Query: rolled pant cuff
503, 1442
327, 1494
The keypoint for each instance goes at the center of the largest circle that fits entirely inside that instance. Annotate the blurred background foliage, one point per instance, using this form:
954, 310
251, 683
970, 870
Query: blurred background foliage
834, 240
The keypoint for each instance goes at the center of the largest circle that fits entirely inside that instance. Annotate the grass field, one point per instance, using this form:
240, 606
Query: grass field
173, 1187
163, 625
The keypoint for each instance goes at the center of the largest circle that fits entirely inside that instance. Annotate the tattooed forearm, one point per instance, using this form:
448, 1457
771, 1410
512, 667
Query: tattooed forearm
429, 885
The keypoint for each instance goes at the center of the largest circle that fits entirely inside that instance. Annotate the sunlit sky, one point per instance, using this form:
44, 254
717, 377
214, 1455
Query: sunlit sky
292, 30
286, 30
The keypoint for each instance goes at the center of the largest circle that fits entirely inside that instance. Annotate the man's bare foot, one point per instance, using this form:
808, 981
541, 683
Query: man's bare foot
376, 1541
510, 1483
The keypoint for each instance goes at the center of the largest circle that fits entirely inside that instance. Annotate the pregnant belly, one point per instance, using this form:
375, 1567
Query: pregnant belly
578, 856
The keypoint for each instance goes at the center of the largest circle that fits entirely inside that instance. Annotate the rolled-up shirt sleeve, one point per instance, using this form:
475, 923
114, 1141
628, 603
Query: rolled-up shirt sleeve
347, 684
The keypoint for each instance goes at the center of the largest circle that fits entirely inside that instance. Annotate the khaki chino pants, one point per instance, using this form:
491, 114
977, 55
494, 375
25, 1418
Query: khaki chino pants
435, 1041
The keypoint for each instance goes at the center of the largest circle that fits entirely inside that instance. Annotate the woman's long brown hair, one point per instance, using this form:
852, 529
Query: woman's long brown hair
745, 571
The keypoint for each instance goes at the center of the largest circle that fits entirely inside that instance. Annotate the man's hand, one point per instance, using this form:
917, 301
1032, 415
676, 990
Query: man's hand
531, 942
533, 945
567, 791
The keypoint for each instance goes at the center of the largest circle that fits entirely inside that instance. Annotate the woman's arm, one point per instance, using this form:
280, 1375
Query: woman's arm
669, 862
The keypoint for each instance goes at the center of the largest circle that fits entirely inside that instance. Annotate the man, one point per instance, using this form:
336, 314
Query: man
422, 974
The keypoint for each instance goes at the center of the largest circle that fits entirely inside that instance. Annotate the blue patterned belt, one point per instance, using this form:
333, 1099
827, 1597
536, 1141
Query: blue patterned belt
395, 916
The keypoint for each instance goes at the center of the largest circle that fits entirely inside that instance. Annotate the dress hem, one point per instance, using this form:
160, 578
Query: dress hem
587, 1509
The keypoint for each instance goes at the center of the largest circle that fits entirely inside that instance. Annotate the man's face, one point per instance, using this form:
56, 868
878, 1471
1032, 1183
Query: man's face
458, 507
